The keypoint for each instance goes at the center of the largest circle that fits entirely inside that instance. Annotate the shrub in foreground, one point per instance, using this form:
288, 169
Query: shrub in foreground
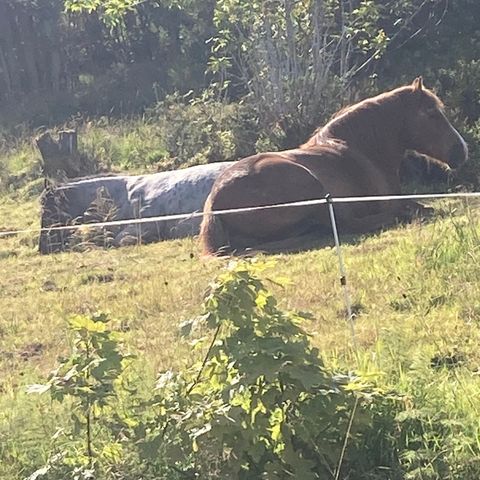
261, 403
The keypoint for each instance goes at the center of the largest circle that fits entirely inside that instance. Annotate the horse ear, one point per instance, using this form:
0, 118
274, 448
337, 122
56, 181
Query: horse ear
418, 84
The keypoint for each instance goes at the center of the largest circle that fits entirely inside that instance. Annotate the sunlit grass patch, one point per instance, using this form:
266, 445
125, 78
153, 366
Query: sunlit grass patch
414, 289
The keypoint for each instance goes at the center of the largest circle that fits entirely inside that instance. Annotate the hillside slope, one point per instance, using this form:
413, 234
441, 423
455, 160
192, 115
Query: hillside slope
415, 290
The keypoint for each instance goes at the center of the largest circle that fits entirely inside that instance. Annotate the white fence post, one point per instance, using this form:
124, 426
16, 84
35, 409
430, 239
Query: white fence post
343, 273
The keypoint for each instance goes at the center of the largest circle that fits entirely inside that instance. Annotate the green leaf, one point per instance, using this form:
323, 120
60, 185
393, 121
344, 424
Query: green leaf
80, 322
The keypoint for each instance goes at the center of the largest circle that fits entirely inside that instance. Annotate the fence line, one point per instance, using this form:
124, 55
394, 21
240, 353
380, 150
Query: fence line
328, 200
196, 214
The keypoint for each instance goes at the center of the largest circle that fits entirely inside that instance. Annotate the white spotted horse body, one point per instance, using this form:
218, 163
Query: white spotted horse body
142, 196
170, 193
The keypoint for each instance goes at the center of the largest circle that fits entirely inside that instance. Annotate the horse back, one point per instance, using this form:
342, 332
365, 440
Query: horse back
176, 191
345, 171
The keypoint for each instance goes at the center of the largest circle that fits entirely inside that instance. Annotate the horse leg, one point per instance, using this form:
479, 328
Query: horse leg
301, 243
405, 211
307, 235
368, 223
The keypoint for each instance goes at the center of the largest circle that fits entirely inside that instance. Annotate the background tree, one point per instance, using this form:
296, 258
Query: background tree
291, 62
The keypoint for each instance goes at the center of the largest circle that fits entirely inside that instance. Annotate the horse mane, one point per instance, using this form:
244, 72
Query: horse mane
311, 141
369, 111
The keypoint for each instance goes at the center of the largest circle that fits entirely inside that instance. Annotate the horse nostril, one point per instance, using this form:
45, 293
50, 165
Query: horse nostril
458, 155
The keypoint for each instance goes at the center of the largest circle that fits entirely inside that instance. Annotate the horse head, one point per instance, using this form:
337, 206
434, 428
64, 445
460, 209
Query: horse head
428, 130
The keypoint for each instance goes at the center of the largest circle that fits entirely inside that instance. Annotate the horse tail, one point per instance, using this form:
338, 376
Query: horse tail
213, 236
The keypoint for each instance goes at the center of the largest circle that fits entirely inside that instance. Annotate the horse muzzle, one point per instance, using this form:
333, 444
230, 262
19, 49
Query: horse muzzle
458, 155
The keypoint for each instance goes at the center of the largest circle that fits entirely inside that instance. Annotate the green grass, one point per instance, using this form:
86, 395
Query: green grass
176, 133
132, 144
135, 144
415, 290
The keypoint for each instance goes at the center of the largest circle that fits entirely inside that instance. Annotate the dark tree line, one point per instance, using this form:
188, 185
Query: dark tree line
78, 63
31, 55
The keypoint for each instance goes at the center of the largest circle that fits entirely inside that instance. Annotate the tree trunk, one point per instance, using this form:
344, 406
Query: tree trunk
5, 83
28, 40
9, 52
61, 158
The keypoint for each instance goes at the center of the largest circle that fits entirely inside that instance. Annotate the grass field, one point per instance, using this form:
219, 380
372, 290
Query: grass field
416, 296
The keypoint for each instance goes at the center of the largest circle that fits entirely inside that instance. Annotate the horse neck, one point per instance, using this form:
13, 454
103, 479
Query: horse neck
372, 128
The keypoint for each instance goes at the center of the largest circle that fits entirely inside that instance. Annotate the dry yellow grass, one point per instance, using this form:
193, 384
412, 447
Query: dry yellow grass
415, 290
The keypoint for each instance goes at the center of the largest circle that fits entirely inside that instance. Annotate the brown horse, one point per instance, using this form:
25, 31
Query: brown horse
358, 152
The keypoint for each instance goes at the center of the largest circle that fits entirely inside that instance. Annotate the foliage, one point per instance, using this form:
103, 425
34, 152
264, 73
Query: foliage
88, 378
182, 130
459, 85
262, 404
84, 65
111, 11
203, 129
299, 60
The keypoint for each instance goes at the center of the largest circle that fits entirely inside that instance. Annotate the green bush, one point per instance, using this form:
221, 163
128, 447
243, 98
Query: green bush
87, 381
204, 129
262, 404
179, 132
